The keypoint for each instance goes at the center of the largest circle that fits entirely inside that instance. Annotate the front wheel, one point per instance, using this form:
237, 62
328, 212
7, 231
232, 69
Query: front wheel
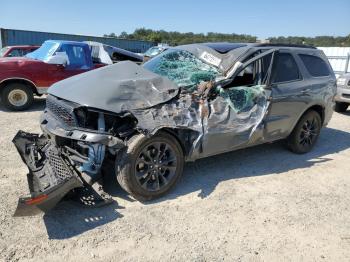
17, 97
305, 134
150, 167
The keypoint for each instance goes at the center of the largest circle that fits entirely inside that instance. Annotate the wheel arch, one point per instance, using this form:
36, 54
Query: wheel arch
184, 136
24, 81
316, 107
319, 109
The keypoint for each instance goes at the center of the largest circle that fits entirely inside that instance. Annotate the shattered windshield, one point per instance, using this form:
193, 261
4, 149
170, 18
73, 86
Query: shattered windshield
45, 51
182, 67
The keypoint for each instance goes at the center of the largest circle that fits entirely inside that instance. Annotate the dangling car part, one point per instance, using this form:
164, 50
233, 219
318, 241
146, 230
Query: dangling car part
142, 123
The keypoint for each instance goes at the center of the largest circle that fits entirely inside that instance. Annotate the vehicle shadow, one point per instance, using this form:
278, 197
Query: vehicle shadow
38, 105
204, 175
68, 219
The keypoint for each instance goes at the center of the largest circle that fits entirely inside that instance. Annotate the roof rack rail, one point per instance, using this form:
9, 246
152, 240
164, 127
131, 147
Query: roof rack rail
288, 45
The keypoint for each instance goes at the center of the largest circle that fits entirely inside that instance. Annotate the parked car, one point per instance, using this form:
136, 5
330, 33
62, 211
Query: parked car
115, 54
342, 99
142, 123
23, 77
17, 51
154, 51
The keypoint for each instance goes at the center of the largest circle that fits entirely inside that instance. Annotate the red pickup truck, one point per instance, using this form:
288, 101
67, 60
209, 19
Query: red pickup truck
23, 77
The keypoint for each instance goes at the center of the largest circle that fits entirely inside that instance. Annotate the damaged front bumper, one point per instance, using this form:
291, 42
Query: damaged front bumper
50, 176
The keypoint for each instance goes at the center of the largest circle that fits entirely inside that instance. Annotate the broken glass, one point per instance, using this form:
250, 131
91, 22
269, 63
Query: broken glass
242, 98
182, 67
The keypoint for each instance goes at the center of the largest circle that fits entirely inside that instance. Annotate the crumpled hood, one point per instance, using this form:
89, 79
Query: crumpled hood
120, 87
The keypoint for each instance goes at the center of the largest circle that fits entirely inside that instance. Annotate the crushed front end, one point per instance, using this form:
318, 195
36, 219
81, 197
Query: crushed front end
68, 156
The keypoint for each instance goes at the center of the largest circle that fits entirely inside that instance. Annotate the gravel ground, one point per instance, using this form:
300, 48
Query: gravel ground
258, 204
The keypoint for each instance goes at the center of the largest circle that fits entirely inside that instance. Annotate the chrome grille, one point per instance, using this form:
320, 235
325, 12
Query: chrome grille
61, 110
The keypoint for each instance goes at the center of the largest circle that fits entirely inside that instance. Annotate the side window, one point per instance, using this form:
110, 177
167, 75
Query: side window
14, 53
254, 73
315, 65
285, 69
76, 56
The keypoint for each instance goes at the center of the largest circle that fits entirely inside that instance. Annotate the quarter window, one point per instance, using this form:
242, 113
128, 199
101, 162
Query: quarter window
285, 69
315, 65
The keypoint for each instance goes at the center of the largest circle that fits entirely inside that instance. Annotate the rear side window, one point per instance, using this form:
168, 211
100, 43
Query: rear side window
285, 69
15, 53
315, 65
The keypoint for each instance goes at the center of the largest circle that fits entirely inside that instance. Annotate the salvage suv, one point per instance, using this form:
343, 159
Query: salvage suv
142, 123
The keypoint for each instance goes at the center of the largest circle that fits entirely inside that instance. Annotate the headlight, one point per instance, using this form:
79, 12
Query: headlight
341, 81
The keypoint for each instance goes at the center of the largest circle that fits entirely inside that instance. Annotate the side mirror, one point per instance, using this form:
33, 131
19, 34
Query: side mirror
60, 58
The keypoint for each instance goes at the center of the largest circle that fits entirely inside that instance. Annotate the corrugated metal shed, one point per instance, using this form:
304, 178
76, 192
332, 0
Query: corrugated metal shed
23, 37
338, 57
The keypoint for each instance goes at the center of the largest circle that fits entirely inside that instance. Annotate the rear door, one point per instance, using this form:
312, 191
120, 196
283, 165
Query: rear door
290, 95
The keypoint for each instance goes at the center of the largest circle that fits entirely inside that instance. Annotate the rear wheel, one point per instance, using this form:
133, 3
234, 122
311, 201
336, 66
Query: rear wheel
150, 167
340, 107
305, 133
17, 96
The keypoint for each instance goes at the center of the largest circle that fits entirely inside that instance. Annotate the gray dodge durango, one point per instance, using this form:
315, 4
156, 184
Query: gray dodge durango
142, 123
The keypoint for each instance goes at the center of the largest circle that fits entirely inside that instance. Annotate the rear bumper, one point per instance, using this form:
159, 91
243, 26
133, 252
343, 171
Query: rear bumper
50, 176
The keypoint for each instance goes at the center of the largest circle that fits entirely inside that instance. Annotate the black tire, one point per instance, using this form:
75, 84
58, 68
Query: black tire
340, 107
17, 96
133, 162
305, 134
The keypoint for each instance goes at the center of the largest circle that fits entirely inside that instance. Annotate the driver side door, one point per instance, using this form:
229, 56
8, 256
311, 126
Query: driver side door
237, 112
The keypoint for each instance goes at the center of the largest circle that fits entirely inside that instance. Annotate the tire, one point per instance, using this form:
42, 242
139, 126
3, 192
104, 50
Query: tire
139, 177
298, 141
340, 107
17, 96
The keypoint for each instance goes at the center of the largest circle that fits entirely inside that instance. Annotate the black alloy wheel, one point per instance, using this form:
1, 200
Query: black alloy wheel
155, 166
306, 132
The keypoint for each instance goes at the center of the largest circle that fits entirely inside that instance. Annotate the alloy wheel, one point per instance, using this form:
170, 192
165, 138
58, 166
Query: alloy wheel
155, 166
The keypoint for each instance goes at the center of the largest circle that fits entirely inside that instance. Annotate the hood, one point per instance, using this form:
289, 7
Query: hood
13, 63
120, 87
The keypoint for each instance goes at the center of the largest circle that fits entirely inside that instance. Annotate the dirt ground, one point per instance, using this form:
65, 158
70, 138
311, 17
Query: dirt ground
257, 204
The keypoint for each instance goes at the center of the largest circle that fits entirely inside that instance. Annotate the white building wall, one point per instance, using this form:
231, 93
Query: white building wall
337, 57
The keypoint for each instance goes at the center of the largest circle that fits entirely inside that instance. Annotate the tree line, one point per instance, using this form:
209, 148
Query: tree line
176, 38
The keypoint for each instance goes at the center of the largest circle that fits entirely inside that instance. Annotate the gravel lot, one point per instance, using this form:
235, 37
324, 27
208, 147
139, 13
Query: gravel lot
258, 204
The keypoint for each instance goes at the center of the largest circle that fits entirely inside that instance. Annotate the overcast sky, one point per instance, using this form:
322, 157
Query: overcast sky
262, 18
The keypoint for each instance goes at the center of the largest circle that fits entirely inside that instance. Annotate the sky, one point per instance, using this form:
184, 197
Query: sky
264, 18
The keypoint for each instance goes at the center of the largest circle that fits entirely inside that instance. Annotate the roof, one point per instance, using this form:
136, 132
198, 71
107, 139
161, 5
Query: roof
224, 47
23, 46
67, 42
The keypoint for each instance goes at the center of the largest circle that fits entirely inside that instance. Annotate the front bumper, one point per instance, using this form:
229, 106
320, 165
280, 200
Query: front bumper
343, 94
50, 177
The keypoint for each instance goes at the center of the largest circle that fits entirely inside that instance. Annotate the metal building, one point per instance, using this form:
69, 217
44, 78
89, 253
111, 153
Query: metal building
23, 37
339, 58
